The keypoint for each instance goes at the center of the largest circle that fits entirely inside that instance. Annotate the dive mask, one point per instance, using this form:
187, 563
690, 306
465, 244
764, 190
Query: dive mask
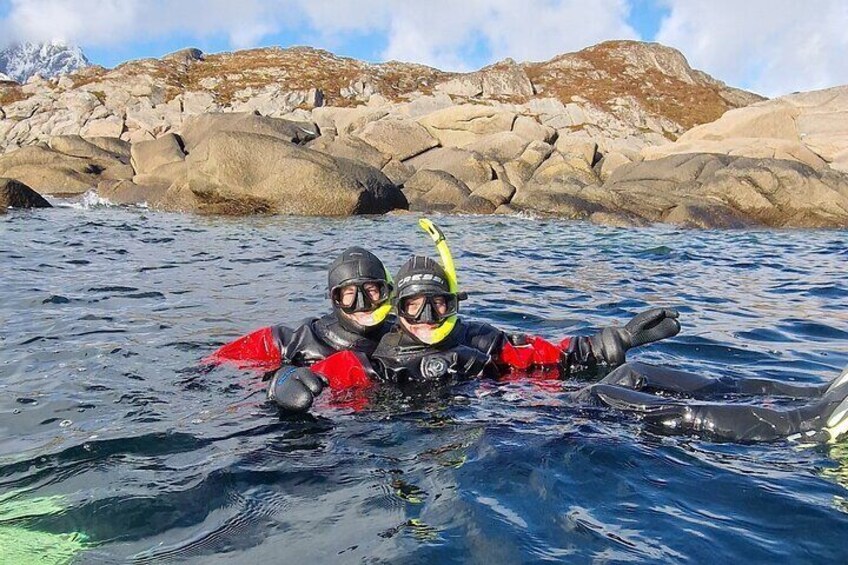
367, 296
428, 308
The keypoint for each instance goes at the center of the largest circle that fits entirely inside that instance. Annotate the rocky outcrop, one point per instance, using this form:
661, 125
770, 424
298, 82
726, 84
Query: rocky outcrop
623, 95
147, 156
585, 135
14, 194
810, 127
703, 190
127, 192
51, 172
349, 147
196, 129
487, 197
260, 173
504, 79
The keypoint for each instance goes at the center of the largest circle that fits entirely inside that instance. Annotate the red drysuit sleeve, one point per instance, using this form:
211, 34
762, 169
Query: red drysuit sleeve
345, 370
536, 352
256, 350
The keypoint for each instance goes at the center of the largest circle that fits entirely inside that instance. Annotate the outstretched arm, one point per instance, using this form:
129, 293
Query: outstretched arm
260, 349
608, 346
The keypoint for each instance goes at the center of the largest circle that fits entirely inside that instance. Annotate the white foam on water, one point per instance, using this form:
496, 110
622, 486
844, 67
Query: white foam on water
89, 200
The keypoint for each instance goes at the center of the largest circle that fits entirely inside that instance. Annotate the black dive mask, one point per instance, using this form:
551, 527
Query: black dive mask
428, 311
362, 301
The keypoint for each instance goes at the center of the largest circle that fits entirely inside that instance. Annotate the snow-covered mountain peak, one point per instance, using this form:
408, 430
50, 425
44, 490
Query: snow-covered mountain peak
24, 60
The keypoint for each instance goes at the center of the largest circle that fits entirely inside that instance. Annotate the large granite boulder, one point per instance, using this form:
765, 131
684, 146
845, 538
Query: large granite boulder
127, 192
247, 172
531, 130
110, 126
401, 139
501, 147
350, 147
397, 172
164, 175
113, 145
520, 170
341, 121
753, 147
469, 167
150, 155
51, 172
487, 198
196, 129
559, 167
76, 146
609, 163
566, 198
437, 191
503, 79
14, 194
458, 126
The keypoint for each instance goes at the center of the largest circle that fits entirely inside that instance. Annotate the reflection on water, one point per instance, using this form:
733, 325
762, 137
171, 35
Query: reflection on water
114, 446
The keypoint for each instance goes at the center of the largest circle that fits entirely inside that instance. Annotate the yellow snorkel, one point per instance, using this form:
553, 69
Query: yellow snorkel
438, 237
382, 312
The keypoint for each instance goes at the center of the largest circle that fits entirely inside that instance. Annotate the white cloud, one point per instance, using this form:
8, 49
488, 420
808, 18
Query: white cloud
442, 33
116, 22
770, 46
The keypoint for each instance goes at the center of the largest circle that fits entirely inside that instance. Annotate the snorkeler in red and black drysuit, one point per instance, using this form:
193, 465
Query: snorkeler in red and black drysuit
359, 287
430, 346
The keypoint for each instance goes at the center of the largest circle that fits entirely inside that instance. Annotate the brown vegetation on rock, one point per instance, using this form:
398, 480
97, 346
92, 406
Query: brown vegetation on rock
658, 77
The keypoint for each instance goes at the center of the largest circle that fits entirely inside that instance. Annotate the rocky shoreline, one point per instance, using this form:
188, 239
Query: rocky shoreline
501, 140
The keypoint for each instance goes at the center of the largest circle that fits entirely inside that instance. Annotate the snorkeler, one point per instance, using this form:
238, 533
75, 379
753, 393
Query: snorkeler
431, 345
359, 287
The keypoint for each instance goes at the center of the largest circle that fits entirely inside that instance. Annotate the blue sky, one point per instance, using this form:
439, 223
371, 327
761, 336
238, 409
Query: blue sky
644, 17
769, 46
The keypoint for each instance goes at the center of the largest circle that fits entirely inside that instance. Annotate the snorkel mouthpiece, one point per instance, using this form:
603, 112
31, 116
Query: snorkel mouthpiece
382, 312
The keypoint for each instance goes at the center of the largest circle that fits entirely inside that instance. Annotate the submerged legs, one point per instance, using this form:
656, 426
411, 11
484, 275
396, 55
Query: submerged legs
824, 419
641, 376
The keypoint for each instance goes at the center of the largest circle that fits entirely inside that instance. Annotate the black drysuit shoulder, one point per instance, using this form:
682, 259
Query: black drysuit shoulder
318, 338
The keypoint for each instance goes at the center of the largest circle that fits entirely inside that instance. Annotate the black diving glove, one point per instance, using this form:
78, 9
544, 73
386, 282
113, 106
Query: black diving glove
294, 389
612, 343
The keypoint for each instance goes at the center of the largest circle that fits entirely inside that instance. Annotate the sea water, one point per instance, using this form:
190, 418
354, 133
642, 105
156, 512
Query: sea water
116, 446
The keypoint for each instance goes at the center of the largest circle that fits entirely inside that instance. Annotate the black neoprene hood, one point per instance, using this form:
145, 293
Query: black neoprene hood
355, 265
421, 275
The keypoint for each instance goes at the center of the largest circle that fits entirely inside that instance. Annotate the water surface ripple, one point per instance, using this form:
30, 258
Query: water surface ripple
105, 313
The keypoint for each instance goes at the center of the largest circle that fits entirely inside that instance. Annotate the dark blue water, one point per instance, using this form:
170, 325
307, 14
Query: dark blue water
125, 450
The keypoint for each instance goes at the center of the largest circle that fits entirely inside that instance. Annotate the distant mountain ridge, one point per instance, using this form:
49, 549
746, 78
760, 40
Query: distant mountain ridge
25, 60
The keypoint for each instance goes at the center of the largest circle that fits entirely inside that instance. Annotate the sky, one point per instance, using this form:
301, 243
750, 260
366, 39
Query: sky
772, 47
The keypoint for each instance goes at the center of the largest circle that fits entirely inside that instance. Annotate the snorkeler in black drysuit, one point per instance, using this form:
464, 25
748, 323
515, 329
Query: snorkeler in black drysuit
359, 287
431, 345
